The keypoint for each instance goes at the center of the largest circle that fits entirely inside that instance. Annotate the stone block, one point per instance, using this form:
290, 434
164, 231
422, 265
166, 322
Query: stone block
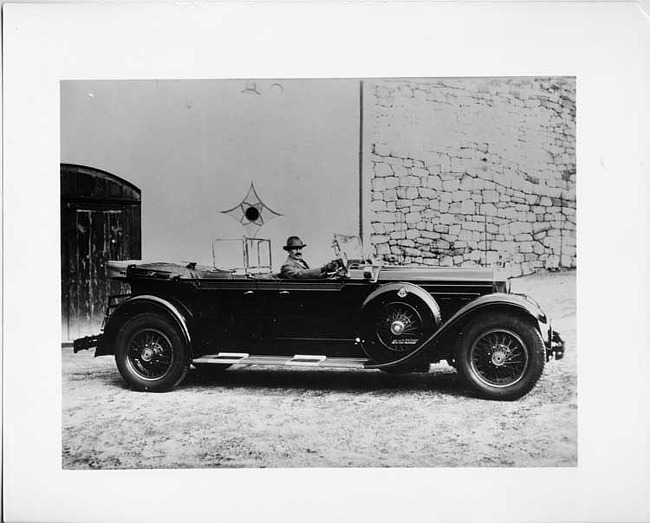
447, 219
455, 208
390, 182
378, 205
390, 195
468, 207
411, 234
467, 184
465, 235
382, 249
538, 248
382, 170
385, 217
545, 201
409, 181
427, 193
459, 196
399, 170
451, 185
446, 261
412, 193
378, 184
525, 247
490, 196
413, 217
379, 238
540, 226
434, 182
488, 209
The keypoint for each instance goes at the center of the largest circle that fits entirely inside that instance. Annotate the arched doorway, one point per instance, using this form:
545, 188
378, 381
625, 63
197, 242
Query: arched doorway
100, 221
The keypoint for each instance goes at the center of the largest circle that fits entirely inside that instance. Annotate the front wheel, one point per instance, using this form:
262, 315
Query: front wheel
501, 357
151, 355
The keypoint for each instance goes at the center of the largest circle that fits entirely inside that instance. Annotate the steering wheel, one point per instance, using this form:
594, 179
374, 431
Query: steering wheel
338, 272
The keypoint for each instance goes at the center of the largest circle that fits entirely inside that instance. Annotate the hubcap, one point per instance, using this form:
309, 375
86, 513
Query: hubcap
499, 358
150, 354
397, 327
147, 354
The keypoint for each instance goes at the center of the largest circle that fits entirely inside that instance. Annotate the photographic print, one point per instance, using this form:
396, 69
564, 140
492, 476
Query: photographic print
334, 272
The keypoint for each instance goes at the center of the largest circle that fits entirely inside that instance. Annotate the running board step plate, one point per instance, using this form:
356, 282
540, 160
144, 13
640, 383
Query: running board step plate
298, 360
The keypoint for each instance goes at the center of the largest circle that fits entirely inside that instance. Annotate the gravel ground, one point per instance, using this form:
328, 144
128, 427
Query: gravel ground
277, 417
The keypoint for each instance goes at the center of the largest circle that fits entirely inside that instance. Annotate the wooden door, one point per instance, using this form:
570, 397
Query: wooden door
98, 223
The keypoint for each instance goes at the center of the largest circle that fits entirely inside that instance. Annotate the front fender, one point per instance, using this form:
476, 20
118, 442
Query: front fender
179, 314
515, 302
409, 288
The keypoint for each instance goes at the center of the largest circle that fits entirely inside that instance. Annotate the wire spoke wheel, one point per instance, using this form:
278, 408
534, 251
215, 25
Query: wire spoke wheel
399, 327
150, 354
499, 357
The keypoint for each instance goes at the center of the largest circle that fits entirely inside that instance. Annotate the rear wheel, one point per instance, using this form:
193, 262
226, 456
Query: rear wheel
151, 355
500, 356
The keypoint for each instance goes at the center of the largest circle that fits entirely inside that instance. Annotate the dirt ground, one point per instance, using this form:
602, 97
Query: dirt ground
277, 417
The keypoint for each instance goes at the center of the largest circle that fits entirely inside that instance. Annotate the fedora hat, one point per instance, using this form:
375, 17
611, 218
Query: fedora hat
294, 242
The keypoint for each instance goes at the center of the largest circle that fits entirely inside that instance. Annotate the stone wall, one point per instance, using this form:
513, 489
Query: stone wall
478, 171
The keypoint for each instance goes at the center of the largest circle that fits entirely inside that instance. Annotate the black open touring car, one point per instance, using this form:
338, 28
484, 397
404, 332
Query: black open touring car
366, 316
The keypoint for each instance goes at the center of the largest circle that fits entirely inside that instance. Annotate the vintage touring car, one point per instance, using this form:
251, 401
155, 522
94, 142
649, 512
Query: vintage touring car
365, 316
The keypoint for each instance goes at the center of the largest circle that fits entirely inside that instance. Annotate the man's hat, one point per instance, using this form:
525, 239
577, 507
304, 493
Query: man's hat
293, 242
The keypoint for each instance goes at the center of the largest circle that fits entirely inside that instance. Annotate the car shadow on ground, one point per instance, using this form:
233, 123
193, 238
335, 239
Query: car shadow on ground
322, 381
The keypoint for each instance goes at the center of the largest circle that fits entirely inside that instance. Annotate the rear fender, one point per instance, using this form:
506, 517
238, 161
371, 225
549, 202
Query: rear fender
175, 311
516, 303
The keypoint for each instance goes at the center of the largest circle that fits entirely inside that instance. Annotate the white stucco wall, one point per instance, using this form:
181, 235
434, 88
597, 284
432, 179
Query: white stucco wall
195, 146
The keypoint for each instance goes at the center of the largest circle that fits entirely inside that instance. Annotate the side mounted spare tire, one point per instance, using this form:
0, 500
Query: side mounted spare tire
393, 326
151, 354
501, 356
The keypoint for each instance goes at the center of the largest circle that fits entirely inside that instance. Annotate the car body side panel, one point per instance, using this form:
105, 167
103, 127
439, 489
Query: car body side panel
513, 302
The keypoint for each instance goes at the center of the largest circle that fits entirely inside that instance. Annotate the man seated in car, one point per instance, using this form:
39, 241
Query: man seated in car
295, 267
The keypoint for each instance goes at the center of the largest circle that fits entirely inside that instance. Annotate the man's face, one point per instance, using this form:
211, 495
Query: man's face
296, 252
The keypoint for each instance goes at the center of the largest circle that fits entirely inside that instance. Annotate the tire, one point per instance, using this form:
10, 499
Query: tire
392, 328
501, 357
151, 355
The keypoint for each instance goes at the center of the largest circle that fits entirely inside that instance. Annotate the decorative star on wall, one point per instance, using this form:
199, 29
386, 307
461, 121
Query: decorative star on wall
252, 212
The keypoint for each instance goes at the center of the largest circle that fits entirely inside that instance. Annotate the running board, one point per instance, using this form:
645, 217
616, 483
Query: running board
298, 360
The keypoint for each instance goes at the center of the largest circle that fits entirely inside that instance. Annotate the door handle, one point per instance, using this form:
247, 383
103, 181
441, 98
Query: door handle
248, 293
284, 293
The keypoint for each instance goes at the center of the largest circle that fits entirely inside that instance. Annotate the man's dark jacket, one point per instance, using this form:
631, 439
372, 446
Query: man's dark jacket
297, 269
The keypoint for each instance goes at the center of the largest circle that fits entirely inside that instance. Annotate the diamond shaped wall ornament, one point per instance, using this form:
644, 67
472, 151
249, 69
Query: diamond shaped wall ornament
252, 212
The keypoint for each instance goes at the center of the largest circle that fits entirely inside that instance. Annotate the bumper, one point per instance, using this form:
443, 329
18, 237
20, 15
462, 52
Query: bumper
555, 349
87, 342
